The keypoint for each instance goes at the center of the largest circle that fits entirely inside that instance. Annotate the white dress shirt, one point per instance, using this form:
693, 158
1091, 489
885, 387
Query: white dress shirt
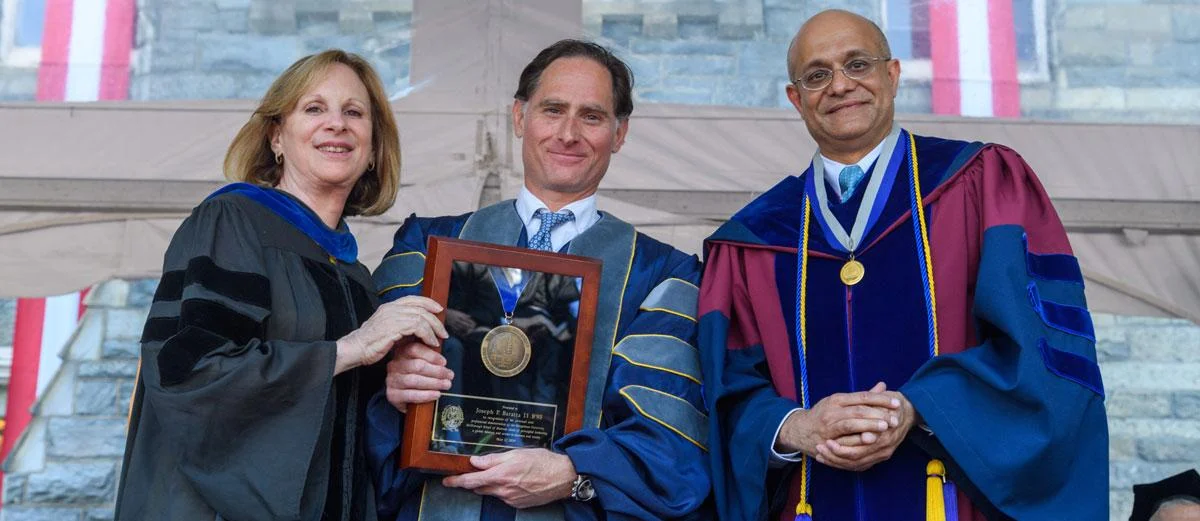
833, 168
583, 209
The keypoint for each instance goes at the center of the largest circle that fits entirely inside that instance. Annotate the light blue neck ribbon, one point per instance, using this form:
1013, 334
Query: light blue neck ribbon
874, 198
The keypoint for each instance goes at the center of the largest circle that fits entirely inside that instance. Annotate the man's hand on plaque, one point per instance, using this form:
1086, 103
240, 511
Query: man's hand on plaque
522, 478
847, 453
417, 374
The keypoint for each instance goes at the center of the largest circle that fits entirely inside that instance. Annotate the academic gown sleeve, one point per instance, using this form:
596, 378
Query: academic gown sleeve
1020, 415
745, 408
399, 275
250, 416
647, 459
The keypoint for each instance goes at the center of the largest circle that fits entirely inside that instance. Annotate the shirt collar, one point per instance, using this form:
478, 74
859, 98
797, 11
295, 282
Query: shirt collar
528, 204
833, 168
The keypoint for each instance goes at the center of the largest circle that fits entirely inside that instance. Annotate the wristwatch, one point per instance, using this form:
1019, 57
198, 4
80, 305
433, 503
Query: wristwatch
581, 489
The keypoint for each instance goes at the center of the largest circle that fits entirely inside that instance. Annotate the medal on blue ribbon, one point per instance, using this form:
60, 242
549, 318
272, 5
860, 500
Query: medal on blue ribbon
506, 349
874, 198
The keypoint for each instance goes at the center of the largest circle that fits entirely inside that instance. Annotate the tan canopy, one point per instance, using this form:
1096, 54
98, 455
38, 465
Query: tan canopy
94, 191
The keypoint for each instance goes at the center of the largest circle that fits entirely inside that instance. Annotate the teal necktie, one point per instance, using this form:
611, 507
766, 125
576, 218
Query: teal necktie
848, 180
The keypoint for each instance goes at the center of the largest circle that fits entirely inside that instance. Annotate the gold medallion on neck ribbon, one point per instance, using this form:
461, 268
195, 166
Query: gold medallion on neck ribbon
852, 272
505, 350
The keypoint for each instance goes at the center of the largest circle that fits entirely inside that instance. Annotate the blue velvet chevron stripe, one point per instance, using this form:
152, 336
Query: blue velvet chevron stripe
1068, 319
1073, 320
661, 352
1052, 267
402, 270
339, 243
1072, 367
669, 411
988, 405
674, 296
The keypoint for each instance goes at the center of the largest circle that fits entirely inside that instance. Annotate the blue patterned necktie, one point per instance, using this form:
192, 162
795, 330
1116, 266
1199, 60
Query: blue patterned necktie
550, 221
848, 180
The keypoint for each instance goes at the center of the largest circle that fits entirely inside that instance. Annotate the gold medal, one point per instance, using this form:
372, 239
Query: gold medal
505, 350
852, 272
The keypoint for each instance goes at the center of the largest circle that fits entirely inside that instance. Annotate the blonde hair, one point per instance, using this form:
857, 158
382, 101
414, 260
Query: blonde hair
251, 160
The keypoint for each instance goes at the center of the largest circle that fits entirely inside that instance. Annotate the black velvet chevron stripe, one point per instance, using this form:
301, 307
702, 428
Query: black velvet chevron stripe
363, 305
170, 287
204, 325
250, 288
333, 298
221, 320
159, 329
207, 326
180, 354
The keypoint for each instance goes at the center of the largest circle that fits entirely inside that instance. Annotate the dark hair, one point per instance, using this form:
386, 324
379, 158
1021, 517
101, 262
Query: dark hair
622, 77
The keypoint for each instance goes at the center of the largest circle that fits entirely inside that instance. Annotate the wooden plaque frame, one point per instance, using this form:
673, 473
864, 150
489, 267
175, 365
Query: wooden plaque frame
443, 252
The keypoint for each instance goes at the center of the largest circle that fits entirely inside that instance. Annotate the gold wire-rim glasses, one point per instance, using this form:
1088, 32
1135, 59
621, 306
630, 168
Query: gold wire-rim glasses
856, 69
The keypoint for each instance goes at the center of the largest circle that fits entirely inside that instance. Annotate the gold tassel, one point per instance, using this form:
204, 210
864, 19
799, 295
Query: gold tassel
935, 503
803, 511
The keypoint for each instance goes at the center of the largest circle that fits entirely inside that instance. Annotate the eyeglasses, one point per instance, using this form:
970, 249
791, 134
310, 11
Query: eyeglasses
855, 69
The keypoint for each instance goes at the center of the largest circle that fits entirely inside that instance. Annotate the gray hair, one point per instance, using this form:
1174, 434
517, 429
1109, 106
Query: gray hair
1174, 501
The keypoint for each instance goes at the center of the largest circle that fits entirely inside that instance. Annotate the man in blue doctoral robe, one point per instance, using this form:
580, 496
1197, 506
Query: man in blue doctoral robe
900, 333
645, 429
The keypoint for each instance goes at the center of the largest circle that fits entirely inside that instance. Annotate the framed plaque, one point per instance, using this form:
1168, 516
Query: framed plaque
520, 324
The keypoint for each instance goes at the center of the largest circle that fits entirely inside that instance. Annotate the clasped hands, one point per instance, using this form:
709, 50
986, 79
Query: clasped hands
849, 431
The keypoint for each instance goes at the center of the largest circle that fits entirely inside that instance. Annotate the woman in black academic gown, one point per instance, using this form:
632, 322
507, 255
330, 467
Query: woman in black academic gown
264, 339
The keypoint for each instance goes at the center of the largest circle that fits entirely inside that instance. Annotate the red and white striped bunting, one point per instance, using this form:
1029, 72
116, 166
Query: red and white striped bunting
86, 49
974, 54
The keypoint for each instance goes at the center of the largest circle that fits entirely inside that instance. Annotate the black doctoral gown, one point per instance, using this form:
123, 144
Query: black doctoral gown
237, 413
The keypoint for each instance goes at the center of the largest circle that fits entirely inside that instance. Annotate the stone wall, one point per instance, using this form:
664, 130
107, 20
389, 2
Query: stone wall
213, 49
7, 316
1151, 370
1130, 61
694, 59
17, 83
1107, 60
219, 49
8, 308
66, 465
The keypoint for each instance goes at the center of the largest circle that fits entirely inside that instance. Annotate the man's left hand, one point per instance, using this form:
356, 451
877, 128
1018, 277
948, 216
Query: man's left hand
522, 478
859, 455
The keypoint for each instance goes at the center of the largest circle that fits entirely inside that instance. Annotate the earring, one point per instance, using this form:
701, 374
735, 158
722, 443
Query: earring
279, 158
371, 166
